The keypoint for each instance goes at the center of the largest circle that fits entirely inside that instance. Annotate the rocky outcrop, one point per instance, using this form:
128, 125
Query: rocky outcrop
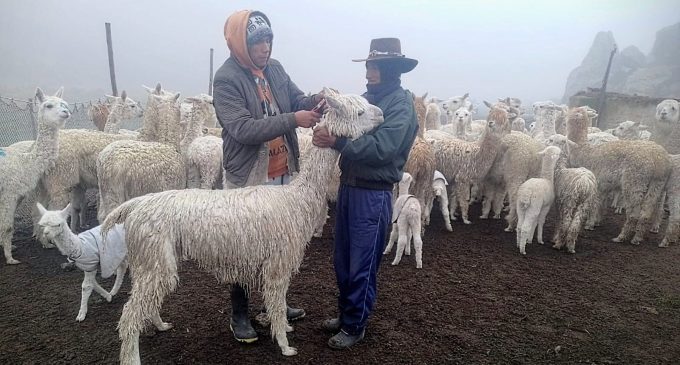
655, 75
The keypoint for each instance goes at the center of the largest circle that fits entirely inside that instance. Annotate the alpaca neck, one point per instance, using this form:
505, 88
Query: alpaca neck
114, 120
548, 169
68, 243
161, 124
316, 173
46, 146
194, 129
488, 144
548, 121
403, 189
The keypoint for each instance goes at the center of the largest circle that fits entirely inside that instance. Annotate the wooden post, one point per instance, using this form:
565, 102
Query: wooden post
210, 84
603, 90
112, 69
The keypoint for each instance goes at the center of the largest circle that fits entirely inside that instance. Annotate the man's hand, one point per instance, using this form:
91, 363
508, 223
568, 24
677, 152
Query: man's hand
322, 138
306, 119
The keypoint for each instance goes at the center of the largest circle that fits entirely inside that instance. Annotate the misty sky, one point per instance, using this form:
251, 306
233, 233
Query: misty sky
487, 48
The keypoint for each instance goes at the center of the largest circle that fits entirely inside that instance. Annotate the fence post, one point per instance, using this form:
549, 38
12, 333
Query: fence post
112, 70
29, 108
210, 84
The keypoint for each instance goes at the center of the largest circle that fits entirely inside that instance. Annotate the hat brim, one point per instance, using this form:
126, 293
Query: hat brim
404, 64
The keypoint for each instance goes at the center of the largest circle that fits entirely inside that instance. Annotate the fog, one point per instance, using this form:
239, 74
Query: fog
490, 49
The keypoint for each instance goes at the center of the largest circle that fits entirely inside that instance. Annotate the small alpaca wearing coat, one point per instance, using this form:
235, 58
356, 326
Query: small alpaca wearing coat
21, 171
406, 224
255, 236
534, 199
439, 184
84, 251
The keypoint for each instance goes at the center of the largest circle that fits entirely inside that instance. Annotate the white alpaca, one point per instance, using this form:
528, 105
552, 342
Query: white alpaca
432, 116
255, 236
203, 153
439, 184
131, 168
21, 171
85, 250
534, 199
121, 109
406, 224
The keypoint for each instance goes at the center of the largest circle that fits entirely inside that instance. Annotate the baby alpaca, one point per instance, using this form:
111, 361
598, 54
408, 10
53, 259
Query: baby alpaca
85, 250
406, 224
439, 187
534, 199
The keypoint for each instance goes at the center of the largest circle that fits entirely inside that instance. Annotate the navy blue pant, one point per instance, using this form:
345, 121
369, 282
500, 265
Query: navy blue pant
361, 223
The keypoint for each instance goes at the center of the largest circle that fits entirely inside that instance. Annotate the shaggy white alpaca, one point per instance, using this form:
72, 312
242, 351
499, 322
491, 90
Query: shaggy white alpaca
406, 224
534, 199
667, 127
439, 185
21, 171
255, 236
85, 250
631, 130
203, 153
121, 109
131, 168
432, 116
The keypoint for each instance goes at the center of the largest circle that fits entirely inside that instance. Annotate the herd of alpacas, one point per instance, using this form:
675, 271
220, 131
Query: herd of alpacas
159, 189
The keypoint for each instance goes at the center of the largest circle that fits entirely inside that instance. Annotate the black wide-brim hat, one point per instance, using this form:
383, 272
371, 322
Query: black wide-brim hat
389, 50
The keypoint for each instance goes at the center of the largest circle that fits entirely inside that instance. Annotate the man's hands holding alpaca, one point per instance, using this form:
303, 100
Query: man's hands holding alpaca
322, 138
306, 118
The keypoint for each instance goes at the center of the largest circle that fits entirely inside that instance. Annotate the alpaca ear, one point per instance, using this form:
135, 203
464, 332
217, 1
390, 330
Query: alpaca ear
333, 102
66, 212
123, 95
59, 92
424, 96
41, 209
39, 95
488, 104
158, 89
205, 130
148, 89
176, 95
466, 96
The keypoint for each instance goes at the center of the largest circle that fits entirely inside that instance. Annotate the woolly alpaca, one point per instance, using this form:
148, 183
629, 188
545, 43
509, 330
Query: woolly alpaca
131, 168
21, 171
576, 196
84, 251
466, 163
406, 224
202, 153
534, 199
421, 163
421, 112
439, 184
433, 116
98, 114
667, 127
517, 161
75, 170
639, 169
673, 196
120, 109
223, 231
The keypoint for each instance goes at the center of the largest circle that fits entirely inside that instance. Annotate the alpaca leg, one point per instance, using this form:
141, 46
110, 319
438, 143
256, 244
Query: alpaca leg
274, 293
511, 218
418, 245
394, 235
573, 231
452, 204
401, 242
428, 211
101, 291
409, 235
487, 201
541, 222
521, 242
87, 286
650, 203
120, 275
673, 228
463, 195
321, 222
77, 207
498, 202
194, 180
444, 206
657, 217
7, 228
158, 322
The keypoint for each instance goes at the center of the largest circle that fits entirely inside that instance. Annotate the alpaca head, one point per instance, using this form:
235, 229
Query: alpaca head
53, 111
53, 223
628, 130
512, 102
405, 182
550, 154
457, 101
349, 115
462, 114
578, 121
124, 107
668, 111
157, 94
498, 122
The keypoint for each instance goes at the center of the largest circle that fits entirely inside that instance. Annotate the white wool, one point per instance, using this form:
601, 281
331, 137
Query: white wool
406, 224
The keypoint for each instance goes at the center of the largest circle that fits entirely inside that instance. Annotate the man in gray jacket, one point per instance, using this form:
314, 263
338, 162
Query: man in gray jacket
259, 108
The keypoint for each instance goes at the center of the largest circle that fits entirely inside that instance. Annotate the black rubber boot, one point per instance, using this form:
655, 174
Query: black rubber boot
240, 323
343, 340
332, 325
292, 314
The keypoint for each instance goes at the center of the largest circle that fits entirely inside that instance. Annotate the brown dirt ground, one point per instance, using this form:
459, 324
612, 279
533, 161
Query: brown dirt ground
476, 301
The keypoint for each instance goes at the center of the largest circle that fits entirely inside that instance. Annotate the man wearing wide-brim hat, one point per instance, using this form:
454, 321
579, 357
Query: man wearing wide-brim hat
370, 166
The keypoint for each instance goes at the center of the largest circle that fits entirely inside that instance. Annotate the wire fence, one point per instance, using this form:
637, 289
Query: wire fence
19, 119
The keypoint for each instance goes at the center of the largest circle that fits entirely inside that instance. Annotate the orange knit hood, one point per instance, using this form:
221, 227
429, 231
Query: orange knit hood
235, 34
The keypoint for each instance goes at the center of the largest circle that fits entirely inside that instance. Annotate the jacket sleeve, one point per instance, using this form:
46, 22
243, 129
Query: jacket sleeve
380, 147
233, 115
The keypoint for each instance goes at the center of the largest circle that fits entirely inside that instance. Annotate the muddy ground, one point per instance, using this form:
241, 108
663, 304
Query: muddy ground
475, 301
